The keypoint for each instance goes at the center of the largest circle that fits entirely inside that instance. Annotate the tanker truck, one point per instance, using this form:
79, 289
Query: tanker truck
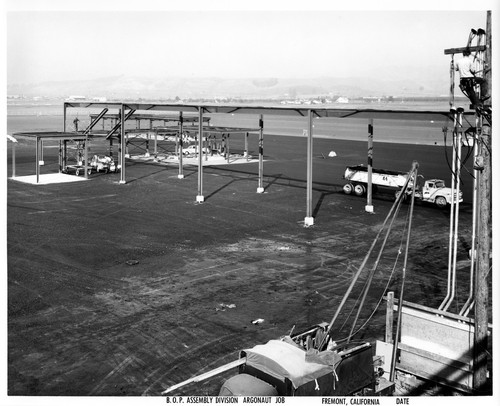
431, 190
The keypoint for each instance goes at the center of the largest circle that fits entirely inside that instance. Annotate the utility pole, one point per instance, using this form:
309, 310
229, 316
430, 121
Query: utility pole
482, 248
483, 162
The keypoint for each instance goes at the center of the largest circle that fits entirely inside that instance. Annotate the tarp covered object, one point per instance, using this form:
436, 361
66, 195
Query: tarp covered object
284, 366
244, 384
282, 360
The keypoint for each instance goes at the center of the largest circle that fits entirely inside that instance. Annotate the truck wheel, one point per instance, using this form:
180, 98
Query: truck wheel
359, 190
347, 188
441, 201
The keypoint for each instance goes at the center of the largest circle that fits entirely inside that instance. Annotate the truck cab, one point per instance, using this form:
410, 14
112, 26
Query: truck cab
435, 191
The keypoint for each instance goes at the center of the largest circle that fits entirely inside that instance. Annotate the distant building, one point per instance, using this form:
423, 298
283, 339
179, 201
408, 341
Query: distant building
76, 98
372, 99
100, 99
342, 100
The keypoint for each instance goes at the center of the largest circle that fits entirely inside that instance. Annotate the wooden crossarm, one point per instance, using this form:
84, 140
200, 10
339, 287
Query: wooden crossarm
452, 51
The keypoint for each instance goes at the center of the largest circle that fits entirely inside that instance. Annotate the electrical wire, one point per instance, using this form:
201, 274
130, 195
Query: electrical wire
368, 283
388, 281
398, 201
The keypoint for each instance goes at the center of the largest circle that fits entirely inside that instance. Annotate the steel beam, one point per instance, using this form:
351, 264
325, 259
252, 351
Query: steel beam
121, 122
279, 111
95, 121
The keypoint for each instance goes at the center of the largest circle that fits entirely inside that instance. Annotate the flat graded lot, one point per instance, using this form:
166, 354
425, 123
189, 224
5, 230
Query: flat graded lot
126, 289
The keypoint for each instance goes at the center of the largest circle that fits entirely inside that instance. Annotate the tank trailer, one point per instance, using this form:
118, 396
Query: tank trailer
431, 190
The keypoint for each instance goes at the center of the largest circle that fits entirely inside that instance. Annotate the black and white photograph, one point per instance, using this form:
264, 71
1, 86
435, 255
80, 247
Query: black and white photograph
261, 202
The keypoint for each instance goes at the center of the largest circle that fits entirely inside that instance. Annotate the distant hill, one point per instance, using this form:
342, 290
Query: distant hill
425, 84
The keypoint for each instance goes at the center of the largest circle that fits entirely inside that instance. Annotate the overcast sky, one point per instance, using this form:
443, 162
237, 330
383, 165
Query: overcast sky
49, 44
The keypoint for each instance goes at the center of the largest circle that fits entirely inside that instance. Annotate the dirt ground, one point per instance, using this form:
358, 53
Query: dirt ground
125, 289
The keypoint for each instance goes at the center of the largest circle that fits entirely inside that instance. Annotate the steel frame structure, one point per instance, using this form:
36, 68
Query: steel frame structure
63, 138
310, 112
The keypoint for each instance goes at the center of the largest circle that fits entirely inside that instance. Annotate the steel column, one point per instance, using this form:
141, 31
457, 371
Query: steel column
369, 204
260, 188
42, 162
127, 154
309, 219
155, 153
199, 197
176, 150
60, 158
122, 143
85, 167
111, 148
147, 154
245, 153
204, 148
65, 154
64, 118
181, 146
36, 158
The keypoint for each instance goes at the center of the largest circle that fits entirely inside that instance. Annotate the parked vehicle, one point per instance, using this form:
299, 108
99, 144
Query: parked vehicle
294, 366
432, 190
299, 365
103, 163
193, 149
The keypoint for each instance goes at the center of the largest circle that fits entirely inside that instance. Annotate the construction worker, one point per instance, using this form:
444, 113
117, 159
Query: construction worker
468, 77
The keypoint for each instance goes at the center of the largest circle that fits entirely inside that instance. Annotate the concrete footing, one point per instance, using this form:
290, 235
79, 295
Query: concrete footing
309, 221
